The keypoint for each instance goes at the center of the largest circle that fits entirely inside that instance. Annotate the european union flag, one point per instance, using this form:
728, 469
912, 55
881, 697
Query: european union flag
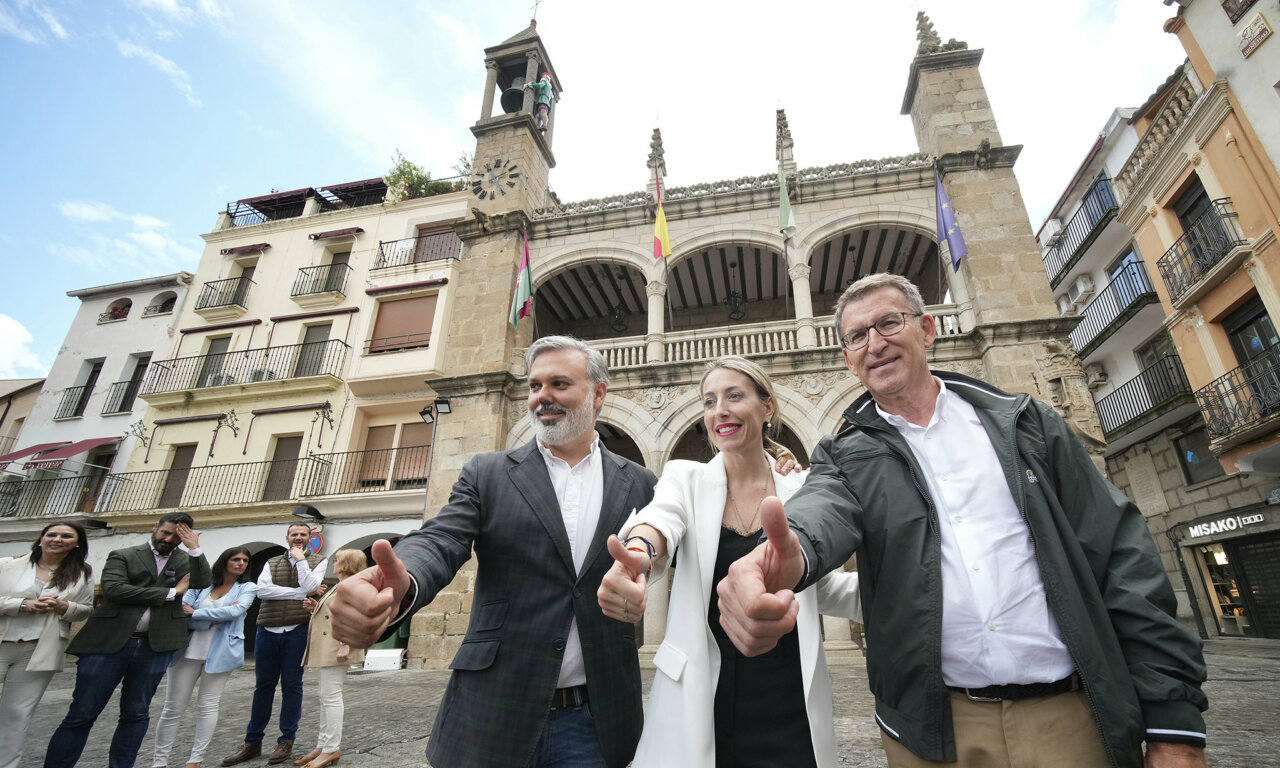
948, 229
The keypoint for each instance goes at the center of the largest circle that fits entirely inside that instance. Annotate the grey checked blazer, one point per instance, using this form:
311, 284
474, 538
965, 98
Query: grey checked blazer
526, 594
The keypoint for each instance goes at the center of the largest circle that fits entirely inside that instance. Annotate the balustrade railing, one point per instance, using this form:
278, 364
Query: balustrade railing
224, 293
121, 396
1242, 397
1129, 289
1154, 386
747, 339
1205, 243
74, 400
388, 469
113, 314
325, 278
418, 250
1094, 210
48, 497
245, 366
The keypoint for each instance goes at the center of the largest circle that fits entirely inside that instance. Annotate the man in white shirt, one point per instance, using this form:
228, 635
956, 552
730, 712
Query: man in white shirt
286, 580
543, 677
1016, 608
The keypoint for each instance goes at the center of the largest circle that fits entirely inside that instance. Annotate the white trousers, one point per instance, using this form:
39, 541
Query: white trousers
330, 684
180, 683
18, 700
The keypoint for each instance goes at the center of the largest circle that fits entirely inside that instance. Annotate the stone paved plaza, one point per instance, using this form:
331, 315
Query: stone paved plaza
389, 714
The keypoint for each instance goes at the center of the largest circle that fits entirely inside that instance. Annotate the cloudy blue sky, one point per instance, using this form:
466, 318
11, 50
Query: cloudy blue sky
128, 124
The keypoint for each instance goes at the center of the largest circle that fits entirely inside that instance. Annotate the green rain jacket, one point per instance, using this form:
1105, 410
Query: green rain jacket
1103, 578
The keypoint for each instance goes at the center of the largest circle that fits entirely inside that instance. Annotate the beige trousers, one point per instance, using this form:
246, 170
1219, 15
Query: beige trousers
1043, 732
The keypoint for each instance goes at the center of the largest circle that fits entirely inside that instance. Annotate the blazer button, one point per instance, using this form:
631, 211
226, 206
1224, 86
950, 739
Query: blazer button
577, 593
559, 644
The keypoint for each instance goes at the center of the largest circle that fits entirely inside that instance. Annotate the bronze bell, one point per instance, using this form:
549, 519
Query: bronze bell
513, 97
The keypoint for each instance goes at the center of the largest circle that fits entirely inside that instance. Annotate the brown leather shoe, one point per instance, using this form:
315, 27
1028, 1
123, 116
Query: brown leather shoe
312, 755
245, 752
284, 750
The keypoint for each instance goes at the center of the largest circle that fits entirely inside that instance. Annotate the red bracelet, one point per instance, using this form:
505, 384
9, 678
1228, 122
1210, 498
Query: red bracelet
638, 549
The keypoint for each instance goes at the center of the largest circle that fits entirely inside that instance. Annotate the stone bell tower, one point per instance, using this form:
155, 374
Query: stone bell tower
1021, 339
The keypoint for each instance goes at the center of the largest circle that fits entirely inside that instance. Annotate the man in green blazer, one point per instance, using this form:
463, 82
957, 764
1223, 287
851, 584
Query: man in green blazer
131, 638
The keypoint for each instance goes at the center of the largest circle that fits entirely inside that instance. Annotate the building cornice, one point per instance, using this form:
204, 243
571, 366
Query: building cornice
163, 281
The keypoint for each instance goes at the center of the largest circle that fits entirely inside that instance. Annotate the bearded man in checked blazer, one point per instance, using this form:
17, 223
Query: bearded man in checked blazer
543, 677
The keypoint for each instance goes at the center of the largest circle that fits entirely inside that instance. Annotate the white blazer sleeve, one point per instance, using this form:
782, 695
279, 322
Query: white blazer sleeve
669, 511
838, 595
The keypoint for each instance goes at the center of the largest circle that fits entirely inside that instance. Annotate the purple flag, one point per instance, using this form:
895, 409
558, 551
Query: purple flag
948, 229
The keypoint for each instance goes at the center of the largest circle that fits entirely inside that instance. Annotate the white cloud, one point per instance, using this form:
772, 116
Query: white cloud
79, 210
145, 246
21, 20
17, 360
176, 74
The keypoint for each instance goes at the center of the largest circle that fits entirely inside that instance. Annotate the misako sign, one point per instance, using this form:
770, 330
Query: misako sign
1223, 525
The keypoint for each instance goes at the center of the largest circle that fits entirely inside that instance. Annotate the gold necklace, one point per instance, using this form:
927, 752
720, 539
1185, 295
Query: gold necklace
748, 527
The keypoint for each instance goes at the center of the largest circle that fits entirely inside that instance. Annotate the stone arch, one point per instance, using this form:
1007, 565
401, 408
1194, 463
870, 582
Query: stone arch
566, 257
918, 219
745, 233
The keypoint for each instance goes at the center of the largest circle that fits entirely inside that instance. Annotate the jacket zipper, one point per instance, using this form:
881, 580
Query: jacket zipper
1075, 661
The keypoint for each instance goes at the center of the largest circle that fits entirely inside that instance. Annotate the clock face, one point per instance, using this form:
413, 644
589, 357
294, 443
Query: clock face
495, 178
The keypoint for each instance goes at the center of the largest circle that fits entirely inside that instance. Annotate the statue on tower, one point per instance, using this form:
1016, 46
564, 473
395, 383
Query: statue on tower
543, 96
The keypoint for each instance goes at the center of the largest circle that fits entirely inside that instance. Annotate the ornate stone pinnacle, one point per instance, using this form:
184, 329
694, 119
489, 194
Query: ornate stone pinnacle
929, 40
784, 140
656, 158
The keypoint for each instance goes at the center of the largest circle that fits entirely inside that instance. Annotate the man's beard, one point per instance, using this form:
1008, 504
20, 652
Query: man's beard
163, 547
572, 425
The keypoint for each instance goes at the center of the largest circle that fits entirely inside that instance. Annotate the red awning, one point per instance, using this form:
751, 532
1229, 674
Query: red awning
8, 457
246, 248
54, 459
335, 233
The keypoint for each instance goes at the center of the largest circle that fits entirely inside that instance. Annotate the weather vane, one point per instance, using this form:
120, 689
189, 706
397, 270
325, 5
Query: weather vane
536, 3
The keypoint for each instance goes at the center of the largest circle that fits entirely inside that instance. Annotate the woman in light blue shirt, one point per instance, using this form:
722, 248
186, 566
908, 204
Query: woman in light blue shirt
216, 649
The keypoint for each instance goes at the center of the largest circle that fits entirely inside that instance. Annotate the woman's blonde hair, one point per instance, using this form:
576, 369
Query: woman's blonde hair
349, 562
764, 389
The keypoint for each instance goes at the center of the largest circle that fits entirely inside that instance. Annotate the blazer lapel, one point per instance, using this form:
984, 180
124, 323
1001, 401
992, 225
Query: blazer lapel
613, 504
530, 478
712, 492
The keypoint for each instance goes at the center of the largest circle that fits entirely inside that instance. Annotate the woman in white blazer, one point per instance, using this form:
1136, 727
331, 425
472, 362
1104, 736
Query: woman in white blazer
709, 705
40, 595
214, 650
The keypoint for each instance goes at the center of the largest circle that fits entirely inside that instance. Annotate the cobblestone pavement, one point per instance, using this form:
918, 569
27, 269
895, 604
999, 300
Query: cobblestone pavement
389, 714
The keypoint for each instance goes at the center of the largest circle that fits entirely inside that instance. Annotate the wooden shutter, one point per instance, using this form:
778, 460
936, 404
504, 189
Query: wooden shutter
414, 456
284, 463
176, 482
376, 459
403, 324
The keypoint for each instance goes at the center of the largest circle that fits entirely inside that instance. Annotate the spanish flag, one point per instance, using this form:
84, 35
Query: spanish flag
522, 300
661, 237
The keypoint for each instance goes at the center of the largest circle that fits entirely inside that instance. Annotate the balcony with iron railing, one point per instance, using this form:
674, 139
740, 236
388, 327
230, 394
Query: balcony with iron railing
1155, 390
73, 402
234, 291
1244, 398
1202, 247
432, 246
162, 308
47, 497
114, 314
216, 485
1096, 209
322, 279
208, 486
319, 358
1127, 293
121, 396
747, 339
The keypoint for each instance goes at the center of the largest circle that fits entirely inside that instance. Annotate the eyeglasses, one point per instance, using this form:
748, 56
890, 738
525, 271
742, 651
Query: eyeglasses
889, 325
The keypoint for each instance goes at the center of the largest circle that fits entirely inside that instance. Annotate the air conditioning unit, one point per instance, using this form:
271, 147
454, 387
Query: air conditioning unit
1052, 232
1095, 375
1065, 306
219, 379
1081, 289
262, 374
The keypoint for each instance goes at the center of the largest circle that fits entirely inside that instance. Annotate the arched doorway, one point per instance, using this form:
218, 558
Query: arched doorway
835, 263
619, 442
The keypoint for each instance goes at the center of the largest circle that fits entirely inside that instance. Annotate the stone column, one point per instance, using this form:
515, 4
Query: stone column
960, 297
490, 86
530, 76
806, 336
655, 348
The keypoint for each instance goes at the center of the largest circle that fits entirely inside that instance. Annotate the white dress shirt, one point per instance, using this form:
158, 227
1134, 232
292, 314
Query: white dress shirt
996, 624
309, 580
580, 491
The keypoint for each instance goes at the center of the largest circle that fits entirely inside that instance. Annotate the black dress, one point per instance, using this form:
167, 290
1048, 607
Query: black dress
760, 715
